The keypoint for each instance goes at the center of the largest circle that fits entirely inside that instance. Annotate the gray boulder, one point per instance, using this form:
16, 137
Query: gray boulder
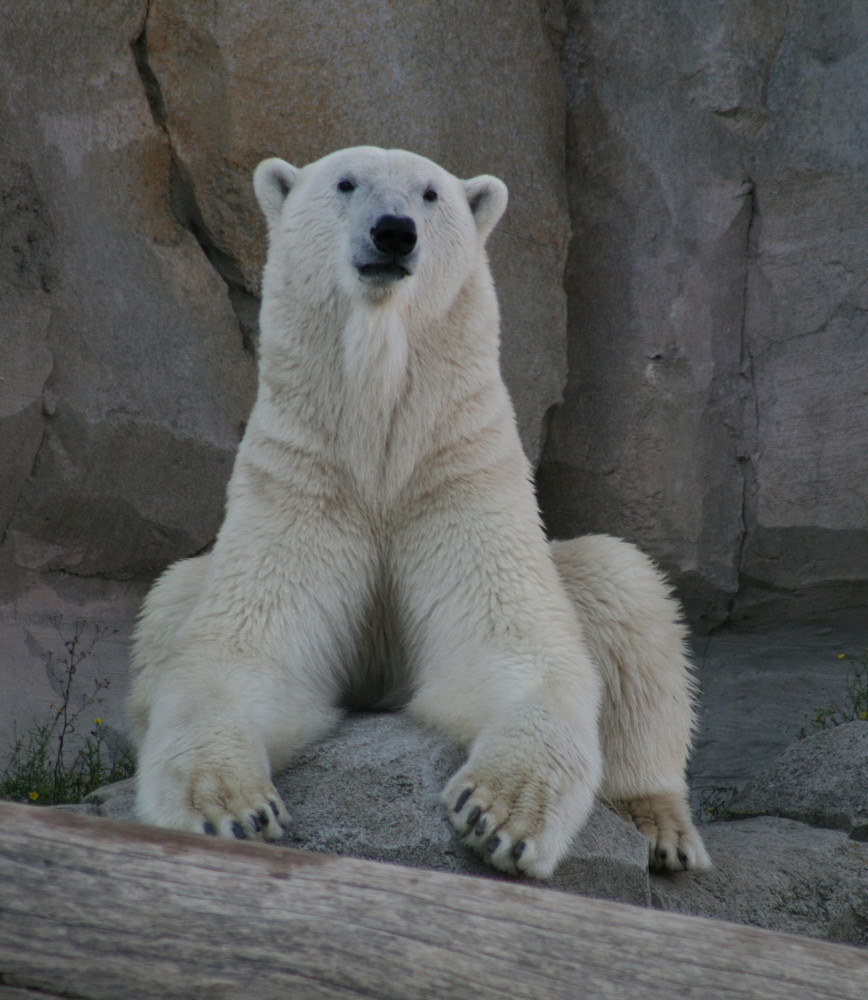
821, 780
788, 856
371, 790
778, 874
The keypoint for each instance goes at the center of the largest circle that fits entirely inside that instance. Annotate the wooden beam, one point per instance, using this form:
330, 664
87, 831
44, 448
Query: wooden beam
97, 908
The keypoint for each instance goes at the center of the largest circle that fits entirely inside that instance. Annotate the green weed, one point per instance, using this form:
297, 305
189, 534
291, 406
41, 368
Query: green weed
714, 801
45, 765
856, 706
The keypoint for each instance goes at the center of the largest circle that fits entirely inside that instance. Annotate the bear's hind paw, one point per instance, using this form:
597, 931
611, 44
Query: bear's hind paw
674, 843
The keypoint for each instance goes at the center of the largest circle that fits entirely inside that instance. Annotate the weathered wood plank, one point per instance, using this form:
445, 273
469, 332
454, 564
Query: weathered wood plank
93, 908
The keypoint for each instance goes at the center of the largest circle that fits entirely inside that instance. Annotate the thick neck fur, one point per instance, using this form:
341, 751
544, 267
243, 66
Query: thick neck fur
373, 389
375, 356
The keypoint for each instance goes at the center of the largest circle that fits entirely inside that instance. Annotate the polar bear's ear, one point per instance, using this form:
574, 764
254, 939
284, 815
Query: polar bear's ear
487, 197
272, 181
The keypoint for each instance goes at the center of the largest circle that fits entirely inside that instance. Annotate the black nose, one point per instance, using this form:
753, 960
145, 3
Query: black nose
394, 235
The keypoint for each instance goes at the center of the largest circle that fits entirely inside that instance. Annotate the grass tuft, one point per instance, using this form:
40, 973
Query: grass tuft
856, 707
45, 766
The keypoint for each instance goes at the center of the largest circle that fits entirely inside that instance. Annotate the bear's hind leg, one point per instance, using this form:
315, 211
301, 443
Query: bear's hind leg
632, 630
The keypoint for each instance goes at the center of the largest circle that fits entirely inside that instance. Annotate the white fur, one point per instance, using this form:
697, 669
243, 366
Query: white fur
382, 547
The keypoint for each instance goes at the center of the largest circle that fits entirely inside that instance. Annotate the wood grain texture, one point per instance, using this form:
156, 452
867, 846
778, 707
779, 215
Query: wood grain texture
93, 908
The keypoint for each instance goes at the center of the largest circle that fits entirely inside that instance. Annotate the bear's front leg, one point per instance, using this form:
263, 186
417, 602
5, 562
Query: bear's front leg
527, 788
500, 664
220, 718
235, 664
217, 728
215, 782
202, 760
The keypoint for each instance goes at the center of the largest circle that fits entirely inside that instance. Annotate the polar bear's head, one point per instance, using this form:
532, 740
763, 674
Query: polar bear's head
372, 224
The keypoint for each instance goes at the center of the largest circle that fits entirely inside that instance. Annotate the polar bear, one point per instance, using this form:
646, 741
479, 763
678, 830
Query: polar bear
382, 548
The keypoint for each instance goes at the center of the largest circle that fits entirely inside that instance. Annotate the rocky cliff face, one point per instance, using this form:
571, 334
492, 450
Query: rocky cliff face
709, 159
716, 409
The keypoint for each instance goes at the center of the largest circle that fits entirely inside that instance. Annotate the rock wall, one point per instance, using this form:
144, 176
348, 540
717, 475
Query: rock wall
129, 376
709, 158
716, 411
130, 132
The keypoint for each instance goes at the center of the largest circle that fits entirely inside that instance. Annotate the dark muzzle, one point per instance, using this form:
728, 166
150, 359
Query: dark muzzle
394, 235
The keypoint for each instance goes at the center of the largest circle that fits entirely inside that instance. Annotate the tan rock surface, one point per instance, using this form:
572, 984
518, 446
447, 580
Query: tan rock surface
130, 131
149, 380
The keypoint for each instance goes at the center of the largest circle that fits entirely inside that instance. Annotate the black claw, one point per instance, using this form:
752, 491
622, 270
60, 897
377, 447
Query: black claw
274, 808
209, 829
518, 850
492, 845
682, 857
475, 813
483, 826
254, 820
263, 817
238, 831
462, 798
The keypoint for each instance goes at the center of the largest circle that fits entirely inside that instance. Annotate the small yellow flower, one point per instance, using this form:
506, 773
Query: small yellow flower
842, 656
863, 714
97, 722
33, 796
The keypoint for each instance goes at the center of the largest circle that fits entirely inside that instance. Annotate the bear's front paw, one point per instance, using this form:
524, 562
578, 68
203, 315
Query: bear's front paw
247, 810
521, 821
220, 801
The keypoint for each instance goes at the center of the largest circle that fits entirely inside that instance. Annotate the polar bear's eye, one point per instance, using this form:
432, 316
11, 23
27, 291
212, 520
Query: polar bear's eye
346, 185
430, 195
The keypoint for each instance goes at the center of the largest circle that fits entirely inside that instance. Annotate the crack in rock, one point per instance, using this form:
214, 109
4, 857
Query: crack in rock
746, 458
185, 207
